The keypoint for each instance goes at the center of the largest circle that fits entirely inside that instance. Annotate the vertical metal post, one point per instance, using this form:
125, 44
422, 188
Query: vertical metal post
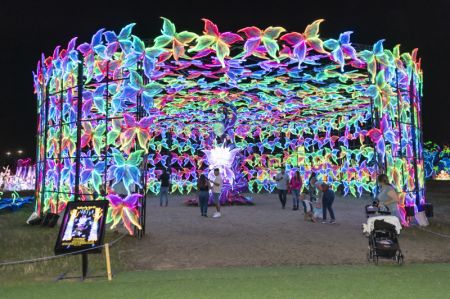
144, 202
39, 140
419, 115
38, 155
139, 113
380, 164
84, 265
108, 262
375, 155
44, 166
105, 183
169, 145
79, 116
413, 137
61, 95
399, 124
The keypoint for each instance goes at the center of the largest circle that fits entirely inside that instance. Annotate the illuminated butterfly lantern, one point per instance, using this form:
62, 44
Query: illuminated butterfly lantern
221, 157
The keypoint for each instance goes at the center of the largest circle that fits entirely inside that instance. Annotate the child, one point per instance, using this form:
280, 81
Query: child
308, 208
318, 210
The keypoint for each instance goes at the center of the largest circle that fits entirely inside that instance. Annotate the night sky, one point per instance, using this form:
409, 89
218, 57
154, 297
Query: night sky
28, 29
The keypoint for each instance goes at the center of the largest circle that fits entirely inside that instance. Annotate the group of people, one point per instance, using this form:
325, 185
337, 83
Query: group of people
313, 209
204, 185
308, 195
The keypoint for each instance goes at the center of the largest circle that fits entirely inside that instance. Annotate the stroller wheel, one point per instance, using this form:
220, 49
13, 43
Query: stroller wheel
371, 255
399, 257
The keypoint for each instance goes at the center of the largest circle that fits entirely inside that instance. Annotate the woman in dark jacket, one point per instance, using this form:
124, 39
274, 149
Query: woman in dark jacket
203, 194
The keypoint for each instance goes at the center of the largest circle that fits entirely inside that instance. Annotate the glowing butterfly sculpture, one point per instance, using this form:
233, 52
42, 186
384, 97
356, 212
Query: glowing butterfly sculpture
221, 157
125, 210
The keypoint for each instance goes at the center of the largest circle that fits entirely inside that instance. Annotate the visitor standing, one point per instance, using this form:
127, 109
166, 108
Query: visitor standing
203, 194
327, 202
295, 186
164, 191
282, 180
388, 195
216, 185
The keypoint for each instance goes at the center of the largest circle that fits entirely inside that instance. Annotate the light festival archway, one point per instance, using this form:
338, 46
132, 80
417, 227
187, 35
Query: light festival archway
117, 110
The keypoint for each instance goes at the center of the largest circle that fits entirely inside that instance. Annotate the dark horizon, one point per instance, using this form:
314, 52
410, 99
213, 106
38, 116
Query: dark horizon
32, 29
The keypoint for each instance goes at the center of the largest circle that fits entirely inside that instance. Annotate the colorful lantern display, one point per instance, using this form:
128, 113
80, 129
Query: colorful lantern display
118, 109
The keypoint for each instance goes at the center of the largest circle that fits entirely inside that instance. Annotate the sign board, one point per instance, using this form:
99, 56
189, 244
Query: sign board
82, 226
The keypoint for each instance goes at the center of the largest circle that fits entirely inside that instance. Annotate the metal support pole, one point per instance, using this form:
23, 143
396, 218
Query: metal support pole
38, 162
61, 96
375, 155
413, 137
44, 167
84, 265
105, 183
380, 165
399, 124
79, 116
39, 138
108, 262
169, 145
419, 115
139, 114
144, 202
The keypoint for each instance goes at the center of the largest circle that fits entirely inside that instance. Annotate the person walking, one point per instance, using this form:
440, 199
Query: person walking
282, 180
327, 202
216, 185
295, 185
203, 194
164, 191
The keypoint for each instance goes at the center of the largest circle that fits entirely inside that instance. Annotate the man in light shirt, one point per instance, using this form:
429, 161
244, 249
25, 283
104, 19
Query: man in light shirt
217, 190
282, 180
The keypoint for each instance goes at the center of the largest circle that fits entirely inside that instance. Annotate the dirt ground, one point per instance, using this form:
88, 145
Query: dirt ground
264, 234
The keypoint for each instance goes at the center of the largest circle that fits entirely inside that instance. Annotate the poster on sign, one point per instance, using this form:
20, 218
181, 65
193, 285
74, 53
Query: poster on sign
82, 226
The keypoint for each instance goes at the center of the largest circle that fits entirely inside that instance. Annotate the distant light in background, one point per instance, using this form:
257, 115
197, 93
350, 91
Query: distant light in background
8, 153
20, 152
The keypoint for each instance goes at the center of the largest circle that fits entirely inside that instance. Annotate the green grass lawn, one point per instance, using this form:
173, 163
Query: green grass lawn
384, 281
20, 241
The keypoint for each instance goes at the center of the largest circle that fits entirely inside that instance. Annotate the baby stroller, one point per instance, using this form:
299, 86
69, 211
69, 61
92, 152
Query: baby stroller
383, 233
376, 209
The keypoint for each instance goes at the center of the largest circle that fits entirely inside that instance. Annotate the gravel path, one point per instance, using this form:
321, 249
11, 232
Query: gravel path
264, 234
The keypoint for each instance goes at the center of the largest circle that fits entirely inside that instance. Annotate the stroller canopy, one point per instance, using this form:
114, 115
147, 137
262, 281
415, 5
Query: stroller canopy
369, 226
